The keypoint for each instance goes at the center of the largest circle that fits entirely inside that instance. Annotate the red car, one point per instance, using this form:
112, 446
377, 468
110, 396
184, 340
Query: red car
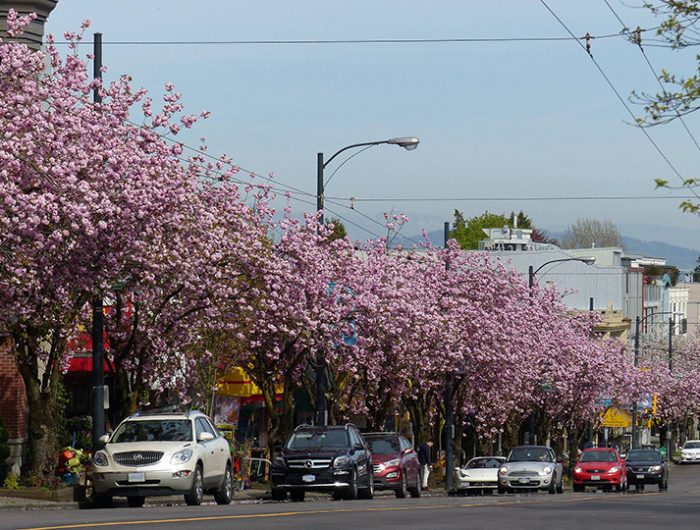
395, 463
600, 467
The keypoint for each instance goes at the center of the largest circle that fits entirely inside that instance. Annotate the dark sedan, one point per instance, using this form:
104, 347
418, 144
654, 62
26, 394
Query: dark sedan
646, 466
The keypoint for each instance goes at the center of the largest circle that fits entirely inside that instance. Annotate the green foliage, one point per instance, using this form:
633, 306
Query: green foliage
11, 482
469, 232
339, 231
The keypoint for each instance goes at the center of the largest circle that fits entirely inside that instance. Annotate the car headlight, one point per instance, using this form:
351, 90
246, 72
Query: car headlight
503, 470
394, 462
181, 456
578, 470
100, 459
279, 461
546, 471
656, 468
341, 461
614, 469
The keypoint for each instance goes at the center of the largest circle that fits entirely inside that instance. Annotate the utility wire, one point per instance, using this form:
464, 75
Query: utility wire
625, 29
446, 40
499, 199
621, 99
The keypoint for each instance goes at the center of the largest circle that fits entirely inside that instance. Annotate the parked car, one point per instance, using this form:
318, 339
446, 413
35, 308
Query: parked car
646, 466
163, 454
690, 452
479, 475
333, 459
600, 467
531, 467
394, 463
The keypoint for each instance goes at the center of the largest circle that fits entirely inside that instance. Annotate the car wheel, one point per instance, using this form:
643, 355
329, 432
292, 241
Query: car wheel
552, 487
501, 489
225, 492
415, 490
622, 486
297, 495
663, 485
560, 486
403, 489
135, 502
368, 492
278, 494
194, 496
351, 492
102, 501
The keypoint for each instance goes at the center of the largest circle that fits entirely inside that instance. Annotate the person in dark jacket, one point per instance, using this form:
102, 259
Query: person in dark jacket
425, 459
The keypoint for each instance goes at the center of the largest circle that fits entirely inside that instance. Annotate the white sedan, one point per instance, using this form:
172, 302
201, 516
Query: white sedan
690, 452
479, 475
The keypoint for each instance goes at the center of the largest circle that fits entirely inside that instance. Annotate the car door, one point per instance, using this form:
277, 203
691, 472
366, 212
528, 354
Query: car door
207, 452
362, 461
221, 449
410, 458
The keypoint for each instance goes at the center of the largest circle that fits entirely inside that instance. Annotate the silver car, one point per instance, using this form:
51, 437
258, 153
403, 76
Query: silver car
163, 454
479, 475
531, 467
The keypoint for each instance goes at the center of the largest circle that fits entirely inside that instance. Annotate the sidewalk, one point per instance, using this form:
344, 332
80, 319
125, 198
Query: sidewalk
18, 503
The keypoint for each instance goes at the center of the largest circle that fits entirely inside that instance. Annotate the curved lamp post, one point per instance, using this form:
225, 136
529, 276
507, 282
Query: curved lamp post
532, 439
407, 142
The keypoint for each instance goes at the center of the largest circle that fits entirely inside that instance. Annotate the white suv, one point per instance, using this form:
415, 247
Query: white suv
163, 454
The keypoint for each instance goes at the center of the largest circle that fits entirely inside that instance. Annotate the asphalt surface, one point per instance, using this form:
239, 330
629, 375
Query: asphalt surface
678, 508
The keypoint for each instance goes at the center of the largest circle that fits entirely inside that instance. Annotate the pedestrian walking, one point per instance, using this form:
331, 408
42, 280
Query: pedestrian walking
425, 459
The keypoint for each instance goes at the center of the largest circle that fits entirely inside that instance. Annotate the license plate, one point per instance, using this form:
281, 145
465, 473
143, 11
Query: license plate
308, 478
640, 476
595, 477
137, 477
524, 480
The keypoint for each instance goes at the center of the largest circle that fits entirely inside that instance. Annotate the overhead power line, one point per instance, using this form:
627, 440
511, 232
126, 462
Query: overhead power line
621, 99
258, 42
503, 199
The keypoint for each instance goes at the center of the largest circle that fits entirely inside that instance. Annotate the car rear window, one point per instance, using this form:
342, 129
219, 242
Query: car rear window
153, 431
597, 456
383, 446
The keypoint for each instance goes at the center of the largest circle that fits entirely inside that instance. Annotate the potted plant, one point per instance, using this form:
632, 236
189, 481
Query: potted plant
4, 452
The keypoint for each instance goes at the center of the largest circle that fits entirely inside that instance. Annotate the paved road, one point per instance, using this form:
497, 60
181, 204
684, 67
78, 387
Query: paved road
676, 509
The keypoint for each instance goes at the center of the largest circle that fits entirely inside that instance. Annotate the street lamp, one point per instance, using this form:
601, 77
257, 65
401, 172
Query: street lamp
638, 323
407, 142
531, 284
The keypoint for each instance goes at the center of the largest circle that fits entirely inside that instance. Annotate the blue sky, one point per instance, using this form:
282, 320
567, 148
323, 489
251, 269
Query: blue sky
509, 119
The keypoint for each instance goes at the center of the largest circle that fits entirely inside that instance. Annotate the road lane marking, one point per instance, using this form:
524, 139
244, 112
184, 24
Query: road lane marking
516, 501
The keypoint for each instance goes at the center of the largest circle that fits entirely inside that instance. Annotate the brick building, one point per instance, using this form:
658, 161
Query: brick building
13, 402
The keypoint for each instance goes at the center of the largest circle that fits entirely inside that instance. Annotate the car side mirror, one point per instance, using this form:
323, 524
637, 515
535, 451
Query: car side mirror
205, 436
558, 460
358, 447
104, 438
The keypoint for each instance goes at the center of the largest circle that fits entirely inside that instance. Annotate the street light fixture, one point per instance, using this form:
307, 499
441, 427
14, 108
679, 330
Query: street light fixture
407, 142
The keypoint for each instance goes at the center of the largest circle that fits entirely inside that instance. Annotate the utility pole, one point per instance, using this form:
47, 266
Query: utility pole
669, 432
320, 382
590, 423
98, 376
449, 416
636, 362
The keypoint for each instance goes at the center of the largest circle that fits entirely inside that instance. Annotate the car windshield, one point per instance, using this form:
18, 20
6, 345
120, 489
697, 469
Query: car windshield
484, 463
691, 445
530, 454
383, 446
643, 456
318, 439
598, 456
153, 431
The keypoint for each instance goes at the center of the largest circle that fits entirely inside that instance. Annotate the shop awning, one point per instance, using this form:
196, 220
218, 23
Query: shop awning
83, 363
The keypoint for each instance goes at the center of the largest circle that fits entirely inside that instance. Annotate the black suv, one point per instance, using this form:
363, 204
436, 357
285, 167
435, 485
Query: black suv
334, 459
646, 466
